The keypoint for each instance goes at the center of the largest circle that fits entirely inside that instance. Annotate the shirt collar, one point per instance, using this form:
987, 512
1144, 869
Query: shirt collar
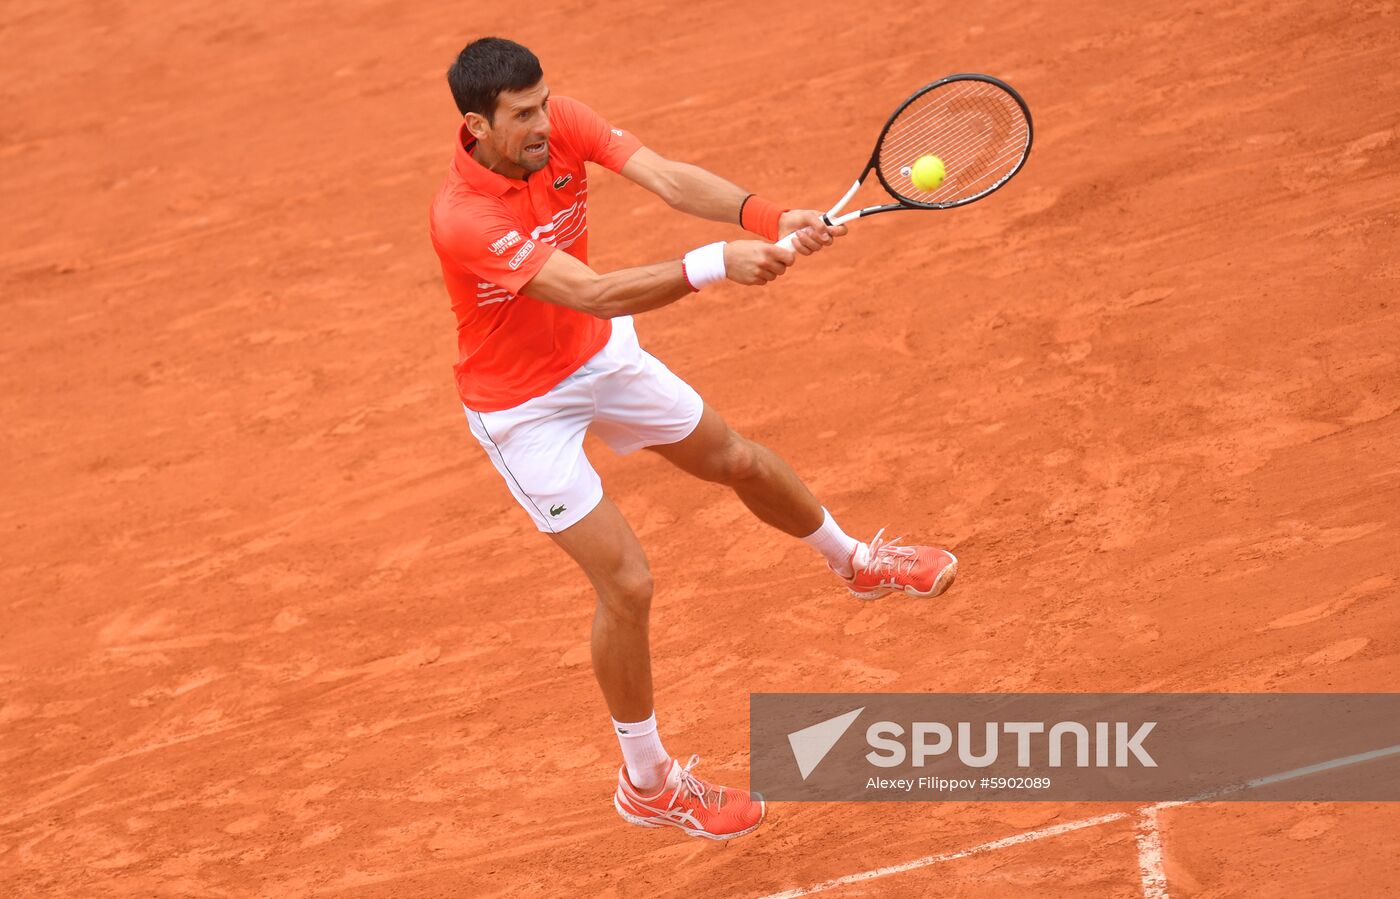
476, 174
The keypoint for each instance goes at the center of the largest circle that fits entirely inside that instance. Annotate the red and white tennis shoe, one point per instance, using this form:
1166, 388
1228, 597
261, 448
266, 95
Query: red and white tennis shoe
884, 566
689, 803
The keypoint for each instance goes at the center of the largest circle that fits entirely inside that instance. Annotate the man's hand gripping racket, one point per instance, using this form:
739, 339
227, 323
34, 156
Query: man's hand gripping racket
976, 125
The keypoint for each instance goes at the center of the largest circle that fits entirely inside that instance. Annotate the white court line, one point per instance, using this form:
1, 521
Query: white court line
1026, 837
1149, 843
1057, 829
1324, 766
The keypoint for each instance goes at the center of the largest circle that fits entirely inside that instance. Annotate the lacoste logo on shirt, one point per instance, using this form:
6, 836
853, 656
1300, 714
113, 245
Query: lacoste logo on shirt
556, 511
561, 181
520, 255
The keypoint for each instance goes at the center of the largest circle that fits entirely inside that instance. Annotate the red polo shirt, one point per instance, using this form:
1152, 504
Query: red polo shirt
493, 234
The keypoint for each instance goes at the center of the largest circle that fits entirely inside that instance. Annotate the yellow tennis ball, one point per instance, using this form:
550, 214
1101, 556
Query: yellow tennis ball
927, 173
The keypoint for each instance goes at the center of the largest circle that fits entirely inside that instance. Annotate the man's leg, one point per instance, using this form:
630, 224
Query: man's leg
607, 550
774, 493
762, 480
657, 792
604, 546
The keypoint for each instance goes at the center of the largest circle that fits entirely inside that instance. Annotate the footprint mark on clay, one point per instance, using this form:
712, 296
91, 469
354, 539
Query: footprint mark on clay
1337, 652
132, 626
404, 555
321, 835
288, 619
1321, 610
1358, 152
246, 824
1312, 827
124, 858
578, 655
322, 760
193, 682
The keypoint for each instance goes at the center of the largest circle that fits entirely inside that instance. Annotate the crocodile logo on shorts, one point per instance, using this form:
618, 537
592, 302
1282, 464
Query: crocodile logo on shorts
556, 511
561, 181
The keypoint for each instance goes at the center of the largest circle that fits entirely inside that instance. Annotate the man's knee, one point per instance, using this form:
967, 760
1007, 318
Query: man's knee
627, 594
735, 461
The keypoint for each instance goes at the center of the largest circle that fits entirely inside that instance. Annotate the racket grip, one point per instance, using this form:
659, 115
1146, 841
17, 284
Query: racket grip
790, 241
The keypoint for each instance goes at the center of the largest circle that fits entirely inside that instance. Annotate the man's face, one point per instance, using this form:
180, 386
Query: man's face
518, 134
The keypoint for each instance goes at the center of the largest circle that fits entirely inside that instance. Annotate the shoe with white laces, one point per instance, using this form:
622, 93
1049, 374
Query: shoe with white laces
885, 566
690, 804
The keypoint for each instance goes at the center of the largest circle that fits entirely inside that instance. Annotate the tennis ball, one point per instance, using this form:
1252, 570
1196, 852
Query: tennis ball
927, 173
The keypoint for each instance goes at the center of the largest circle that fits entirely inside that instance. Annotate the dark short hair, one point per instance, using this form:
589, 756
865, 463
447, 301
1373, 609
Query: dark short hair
485, 68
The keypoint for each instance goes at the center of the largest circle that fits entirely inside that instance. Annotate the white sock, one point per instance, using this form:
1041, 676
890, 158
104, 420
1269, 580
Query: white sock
834, 544
647, 761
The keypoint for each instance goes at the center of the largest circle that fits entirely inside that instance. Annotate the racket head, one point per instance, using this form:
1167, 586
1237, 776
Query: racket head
978, 125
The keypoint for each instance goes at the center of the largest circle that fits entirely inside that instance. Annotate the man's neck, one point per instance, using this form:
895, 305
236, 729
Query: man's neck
494, 163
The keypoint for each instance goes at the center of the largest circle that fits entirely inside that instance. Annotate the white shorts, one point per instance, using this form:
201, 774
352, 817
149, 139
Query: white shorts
625, 395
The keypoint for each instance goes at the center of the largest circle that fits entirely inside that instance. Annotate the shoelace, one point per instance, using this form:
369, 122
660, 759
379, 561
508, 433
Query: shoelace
696, 787
888, 560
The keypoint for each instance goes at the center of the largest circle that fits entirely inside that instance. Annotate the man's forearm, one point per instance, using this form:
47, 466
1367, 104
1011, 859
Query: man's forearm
645, 287
705, 194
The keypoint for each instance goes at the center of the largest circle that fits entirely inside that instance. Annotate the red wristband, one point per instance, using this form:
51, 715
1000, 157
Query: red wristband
760, 216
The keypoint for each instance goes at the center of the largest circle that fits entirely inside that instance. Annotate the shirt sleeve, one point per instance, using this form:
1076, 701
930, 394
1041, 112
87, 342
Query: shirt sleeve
594, 138
487, 241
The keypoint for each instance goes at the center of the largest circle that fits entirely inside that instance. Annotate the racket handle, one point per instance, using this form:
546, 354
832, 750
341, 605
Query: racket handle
790, 241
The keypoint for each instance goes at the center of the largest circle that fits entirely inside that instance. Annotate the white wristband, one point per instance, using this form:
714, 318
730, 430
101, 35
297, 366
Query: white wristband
704, 266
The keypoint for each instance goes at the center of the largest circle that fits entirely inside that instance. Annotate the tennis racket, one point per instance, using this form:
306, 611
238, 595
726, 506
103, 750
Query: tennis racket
978, 125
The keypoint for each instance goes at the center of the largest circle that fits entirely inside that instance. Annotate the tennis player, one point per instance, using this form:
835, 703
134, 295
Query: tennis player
547, 352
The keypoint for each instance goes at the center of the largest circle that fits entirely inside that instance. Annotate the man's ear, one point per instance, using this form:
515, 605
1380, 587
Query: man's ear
477, 125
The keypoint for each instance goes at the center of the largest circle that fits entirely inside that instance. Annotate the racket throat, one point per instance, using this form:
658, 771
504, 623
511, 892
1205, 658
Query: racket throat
835, 210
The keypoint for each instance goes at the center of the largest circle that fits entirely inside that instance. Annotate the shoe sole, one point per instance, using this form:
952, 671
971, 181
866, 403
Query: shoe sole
941, 585
647, 822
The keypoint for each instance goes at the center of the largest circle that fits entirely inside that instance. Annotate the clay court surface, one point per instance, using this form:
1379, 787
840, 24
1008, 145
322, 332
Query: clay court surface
272, 626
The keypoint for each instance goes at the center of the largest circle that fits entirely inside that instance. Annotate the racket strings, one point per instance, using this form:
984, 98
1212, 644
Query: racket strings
977, 129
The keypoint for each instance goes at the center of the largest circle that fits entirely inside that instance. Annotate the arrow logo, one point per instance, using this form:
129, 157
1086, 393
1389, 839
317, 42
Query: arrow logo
811, 744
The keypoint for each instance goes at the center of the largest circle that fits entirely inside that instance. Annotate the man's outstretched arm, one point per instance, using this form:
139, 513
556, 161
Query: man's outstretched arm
569, 282
691, 189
